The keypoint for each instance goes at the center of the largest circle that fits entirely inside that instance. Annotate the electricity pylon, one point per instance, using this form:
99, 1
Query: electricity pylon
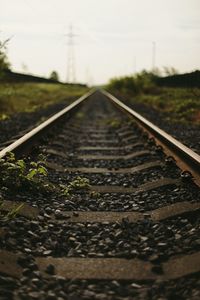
153, 56
71, 68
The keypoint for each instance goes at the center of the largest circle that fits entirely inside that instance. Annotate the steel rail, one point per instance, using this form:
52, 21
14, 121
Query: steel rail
186, 159
25, 142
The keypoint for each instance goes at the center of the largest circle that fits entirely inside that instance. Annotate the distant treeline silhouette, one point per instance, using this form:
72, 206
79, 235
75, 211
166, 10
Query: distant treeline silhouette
9, 76
180, 80
12, 77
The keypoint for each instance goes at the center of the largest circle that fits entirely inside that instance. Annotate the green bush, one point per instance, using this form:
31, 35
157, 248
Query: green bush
4, 63
180, 104
133, 85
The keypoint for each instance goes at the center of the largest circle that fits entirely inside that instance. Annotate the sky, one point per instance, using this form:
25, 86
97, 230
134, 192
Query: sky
112, 37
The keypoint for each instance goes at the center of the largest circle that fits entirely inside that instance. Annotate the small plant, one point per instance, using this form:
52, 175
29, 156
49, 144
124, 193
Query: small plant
80, 115
114, 123
94, 194
79, 183
6, 216
3, 117
19, 174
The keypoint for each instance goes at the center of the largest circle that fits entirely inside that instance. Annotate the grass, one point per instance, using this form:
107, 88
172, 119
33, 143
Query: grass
180, 104
28, 97
113, 123
11, 214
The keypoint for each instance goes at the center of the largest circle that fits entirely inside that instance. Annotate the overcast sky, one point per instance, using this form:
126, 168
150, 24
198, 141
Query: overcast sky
114, 37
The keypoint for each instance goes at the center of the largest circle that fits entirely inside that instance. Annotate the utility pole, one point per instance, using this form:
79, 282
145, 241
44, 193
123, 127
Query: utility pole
135, 65
153, 56
71, 70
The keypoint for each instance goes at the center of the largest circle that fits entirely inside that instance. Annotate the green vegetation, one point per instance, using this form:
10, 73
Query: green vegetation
54, 76
4, 64
180, 104
94, 194
20, 175
79, 183
27, 97
113, 123
133, 85
80, 115
6, 216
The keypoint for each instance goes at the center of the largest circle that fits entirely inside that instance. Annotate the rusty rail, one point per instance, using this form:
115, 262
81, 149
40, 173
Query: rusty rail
28, 140
186, 159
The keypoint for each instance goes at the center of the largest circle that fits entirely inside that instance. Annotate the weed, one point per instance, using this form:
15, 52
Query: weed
19, 174
3, 117
113, 123
94, 194
79, 183
10, 214
80, 115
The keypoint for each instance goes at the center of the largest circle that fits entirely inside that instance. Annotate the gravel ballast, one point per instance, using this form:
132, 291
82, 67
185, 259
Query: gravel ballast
51, 232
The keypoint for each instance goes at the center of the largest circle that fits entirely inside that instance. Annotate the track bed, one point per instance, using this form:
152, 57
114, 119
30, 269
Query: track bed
128, 229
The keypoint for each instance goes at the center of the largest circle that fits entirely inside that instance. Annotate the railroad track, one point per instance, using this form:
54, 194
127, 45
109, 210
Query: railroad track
127, 223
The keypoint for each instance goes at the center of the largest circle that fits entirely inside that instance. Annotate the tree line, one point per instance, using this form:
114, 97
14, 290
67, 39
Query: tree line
149, 82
